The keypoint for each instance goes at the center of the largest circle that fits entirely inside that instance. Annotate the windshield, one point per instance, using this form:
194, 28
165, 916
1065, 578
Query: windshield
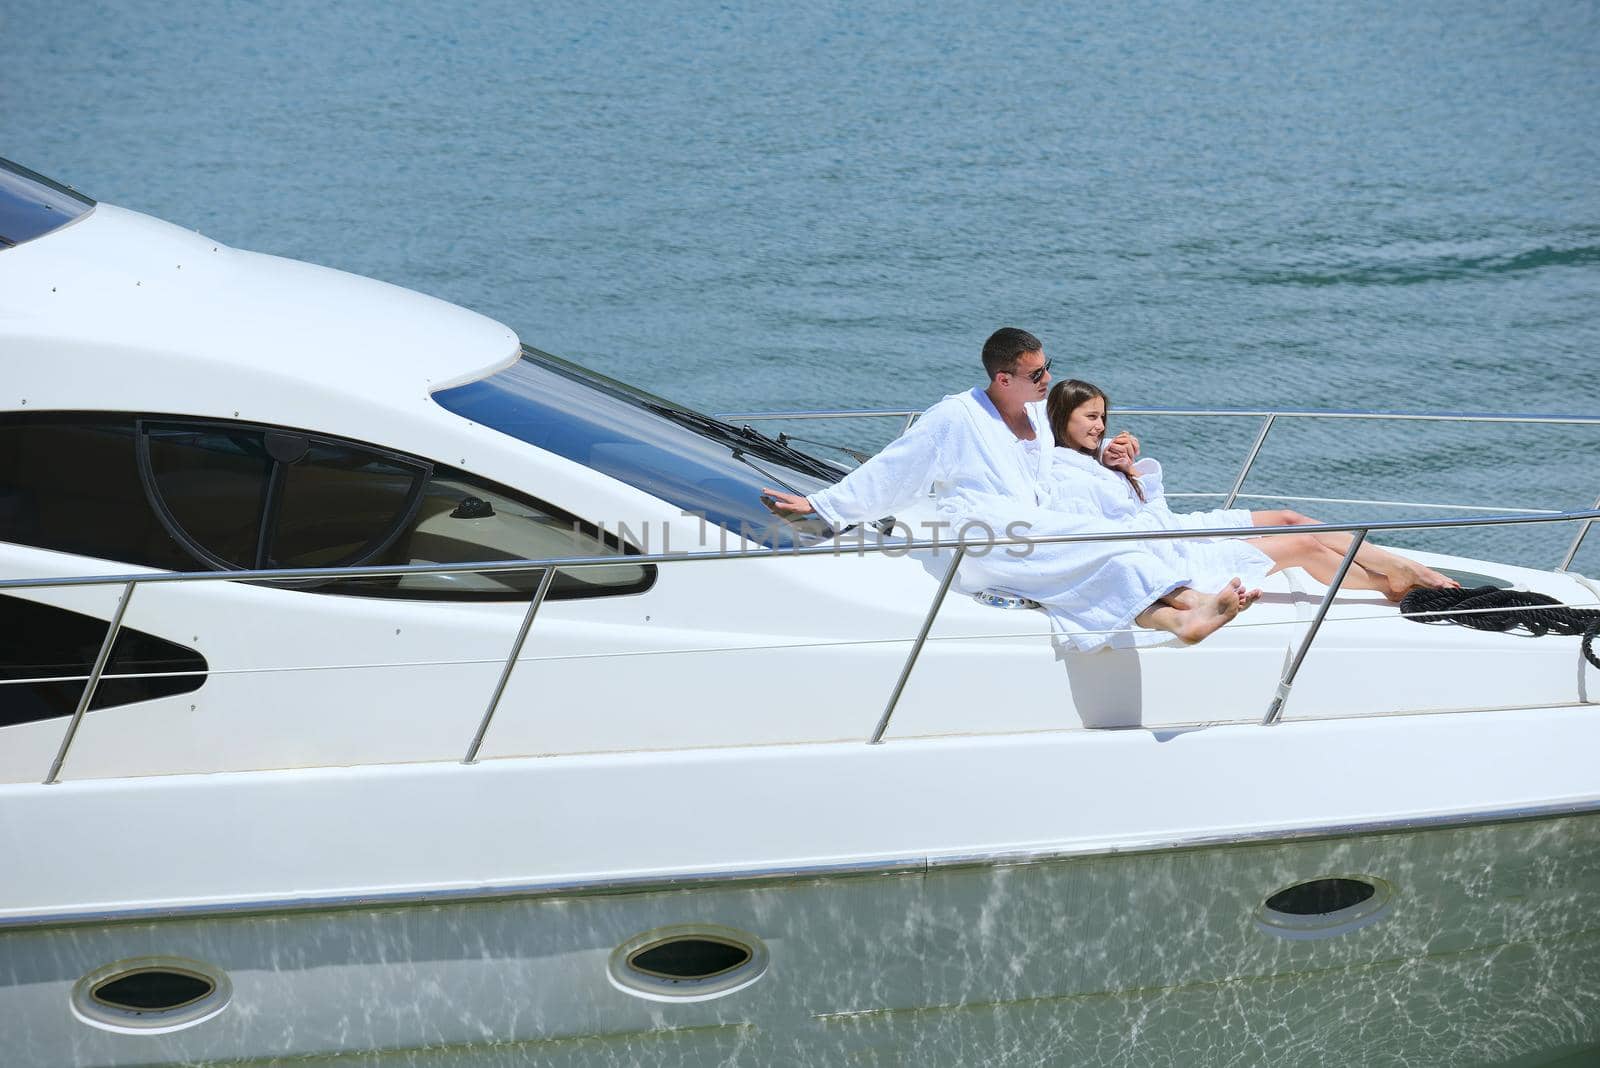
31, 205
702, 465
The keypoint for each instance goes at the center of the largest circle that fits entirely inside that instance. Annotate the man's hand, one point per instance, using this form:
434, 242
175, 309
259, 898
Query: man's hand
1120, 452
785, 505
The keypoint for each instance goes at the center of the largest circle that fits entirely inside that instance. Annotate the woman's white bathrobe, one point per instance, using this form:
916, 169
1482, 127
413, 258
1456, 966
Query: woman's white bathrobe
980, 473
1079, 484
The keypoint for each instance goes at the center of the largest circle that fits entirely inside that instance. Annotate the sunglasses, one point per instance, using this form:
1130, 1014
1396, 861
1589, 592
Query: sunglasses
1036, 376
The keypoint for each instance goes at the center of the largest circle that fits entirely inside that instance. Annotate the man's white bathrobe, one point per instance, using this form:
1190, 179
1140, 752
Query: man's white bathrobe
979, 472
1079, 484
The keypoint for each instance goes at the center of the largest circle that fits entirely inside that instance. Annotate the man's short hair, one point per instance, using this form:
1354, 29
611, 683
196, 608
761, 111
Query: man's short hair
1005, 347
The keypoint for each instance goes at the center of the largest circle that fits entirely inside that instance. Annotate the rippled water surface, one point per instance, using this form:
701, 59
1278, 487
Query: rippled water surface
1390, 207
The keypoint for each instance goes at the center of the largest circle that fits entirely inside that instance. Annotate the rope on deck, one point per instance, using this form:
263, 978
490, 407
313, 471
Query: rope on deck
1489, 608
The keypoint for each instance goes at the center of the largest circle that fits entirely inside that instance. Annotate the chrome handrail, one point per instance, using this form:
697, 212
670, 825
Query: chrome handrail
550, 565
1268, 417
89, 687
1249, 461
1275, 708
539, 595
833, 548
1258, 413
1566, 561
876, 737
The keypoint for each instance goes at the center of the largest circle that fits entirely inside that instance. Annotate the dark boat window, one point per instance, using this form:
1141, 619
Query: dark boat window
257, 497
188, 495
70, 482
462, 519
41, 641
32, 205
211, 481
340, 504
669, 451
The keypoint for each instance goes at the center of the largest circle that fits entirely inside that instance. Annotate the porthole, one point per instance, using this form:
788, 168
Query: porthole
151, 995
687, 963
1322, 908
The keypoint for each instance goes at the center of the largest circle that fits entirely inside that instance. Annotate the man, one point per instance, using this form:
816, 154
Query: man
985, 454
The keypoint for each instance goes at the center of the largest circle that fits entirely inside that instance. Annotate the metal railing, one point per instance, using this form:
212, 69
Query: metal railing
550, 566
1268, 419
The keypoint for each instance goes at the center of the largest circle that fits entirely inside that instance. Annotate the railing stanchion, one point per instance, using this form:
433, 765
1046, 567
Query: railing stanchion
93, 682
912, 418
916, 646
1249, 461
511, 662
1275, 709
1583, 530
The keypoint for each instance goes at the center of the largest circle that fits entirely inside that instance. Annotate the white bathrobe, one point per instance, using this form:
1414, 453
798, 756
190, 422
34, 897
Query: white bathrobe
1079, 484
979, 472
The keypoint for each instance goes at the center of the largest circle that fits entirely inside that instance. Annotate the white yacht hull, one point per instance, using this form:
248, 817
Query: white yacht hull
1106, 923
1489, 954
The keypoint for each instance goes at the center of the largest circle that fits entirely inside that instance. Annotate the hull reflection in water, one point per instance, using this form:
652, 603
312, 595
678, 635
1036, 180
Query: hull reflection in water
1483, 947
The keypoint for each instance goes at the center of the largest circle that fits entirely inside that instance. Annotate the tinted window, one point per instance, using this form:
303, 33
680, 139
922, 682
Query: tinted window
31, 205
189, 495
670, 452
41, 641
338, 505
211, 482
464, 519
257, 497
70, 482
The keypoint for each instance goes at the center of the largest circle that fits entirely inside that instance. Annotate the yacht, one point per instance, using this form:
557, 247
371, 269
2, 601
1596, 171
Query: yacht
377, 689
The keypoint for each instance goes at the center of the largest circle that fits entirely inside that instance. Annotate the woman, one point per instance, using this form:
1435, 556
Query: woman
1133, 494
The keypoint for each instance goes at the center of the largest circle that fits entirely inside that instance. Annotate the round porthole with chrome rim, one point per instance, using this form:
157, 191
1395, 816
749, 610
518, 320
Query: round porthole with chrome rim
151, 995
1325, 907
692, 962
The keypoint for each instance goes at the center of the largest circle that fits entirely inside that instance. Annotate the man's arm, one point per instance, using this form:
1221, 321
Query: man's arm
899, 474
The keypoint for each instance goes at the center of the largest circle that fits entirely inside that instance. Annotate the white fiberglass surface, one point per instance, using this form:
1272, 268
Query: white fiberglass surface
1488, 956
332, 834
219, 331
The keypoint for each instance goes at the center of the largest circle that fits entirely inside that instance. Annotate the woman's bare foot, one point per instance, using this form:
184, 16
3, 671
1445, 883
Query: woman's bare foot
1211, 613
1191, 616
1406, 575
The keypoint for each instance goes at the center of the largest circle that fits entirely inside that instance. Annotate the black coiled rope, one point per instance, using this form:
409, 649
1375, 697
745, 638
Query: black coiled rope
1488, 608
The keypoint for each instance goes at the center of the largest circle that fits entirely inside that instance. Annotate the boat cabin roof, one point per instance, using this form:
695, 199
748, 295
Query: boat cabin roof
121, 311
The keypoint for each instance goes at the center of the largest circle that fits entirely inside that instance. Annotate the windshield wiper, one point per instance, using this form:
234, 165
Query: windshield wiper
749, 439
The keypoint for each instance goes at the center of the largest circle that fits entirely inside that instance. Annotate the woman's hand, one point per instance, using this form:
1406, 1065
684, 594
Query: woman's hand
785, 504
1120, 452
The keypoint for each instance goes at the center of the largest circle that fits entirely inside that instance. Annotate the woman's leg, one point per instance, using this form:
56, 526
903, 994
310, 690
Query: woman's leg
1321, 562
1193, 616
1394, 573
1279, 517
1402, 574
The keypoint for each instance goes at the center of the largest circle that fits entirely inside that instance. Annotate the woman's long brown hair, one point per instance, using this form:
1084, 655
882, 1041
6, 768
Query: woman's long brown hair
1068, 396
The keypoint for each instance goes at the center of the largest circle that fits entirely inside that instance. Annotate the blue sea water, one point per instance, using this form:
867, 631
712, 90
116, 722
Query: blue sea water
1372, 206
